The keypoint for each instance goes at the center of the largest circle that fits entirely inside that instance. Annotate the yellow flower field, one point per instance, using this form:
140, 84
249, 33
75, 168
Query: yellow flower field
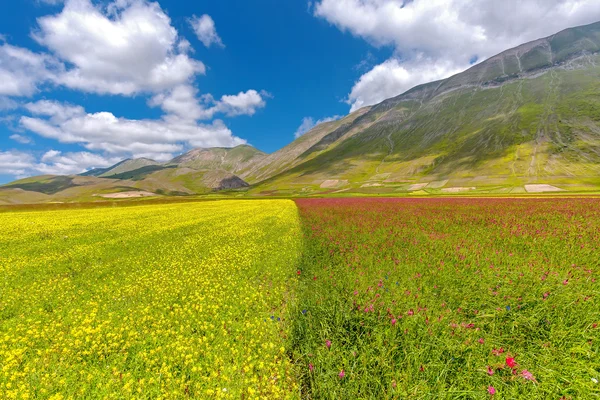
156, 301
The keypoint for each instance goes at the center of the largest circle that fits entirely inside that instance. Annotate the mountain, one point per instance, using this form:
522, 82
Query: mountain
128, 166
235, 160
527, 119
200, 171
302, 149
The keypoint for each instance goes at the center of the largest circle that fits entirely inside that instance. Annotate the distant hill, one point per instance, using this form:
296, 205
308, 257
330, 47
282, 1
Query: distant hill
127, 166
235, 160
200, 171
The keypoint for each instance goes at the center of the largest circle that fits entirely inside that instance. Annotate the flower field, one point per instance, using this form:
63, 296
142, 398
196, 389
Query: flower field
317, 299
449, 298
167, 301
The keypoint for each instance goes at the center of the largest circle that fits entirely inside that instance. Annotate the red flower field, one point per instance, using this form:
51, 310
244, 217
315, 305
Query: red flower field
460, 298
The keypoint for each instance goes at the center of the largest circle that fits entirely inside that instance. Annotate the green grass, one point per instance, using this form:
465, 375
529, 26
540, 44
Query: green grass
415, 296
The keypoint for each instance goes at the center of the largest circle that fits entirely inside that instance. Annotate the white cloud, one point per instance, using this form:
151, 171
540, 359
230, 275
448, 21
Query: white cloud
54, 162
58, 112
125, 48
206, 31
243, 103
447, 33
7, 104
393, 77
15, 163
102, 131
21, 164
183, 102
309, 123
21, 70
20, 138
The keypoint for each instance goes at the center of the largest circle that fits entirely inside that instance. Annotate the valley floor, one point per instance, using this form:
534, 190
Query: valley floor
318, 298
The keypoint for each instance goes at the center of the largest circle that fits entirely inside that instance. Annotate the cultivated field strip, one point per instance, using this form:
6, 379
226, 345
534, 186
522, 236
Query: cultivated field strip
165, 301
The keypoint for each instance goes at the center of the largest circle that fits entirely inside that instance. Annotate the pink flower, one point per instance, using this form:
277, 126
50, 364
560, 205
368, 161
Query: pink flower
311, 367
510, 361
497, 352
566, 282
527, 375
342, 374
410, 312
394, 321
481, 340
328, 343
490, 370
491, 390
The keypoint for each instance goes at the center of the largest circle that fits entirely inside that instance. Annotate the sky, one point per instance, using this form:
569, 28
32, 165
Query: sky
87, 83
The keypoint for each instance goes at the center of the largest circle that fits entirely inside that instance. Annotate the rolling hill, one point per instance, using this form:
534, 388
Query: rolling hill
200, 171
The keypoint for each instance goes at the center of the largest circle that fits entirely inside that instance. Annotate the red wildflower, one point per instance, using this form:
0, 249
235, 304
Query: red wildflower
510, 361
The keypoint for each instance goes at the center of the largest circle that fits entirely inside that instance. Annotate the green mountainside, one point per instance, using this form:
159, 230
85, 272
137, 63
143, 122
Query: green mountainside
127, 166
528, 116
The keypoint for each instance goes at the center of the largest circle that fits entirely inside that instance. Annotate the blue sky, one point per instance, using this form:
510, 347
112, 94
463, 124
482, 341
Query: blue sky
85, 83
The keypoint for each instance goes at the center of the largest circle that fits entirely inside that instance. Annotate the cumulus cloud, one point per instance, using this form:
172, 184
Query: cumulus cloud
105, 132
21, 164
127, 47
205, 30
243, 103
58, 112
54, 162
445, 33
185, 103
394, 77
308, 123
22, 71
15, 163
20, 138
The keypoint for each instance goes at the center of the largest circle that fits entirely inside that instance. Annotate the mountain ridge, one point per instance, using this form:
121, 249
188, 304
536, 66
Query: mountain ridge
524, 117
